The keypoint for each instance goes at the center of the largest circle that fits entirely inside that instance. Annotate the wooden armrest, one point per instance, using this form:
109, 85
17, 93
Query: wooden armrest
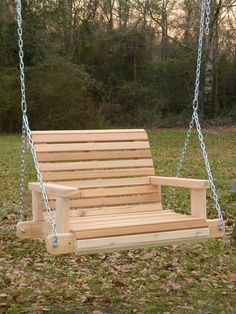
180, 182
55, 189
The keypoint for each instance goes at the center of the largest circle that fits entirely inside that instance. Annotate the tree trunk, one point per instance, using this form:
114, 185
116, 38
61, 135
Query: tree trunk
211, 52
69, 40
209, 94
234, 234
188, 9
164, 35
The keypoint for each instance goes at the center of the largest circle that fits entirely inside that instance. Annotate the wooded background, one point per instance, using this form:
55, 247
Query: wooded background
116, 63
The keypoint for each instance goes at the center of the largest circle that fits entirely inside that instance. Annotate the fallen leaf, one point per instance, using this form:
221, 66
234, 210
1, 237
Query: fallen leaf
148, 255
120, 283
232, 277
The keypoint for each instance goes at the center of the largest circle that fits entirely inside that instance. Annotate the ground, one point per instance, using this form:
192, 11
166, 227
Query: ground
198, 278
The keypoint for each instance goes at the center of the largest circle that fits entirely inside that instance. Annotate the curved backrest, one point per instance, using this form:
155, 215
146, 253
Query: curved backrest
97, 160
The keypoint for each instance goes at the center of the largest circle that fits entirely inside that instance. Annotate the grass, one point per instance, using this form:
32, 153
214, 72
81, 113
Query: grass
196, 278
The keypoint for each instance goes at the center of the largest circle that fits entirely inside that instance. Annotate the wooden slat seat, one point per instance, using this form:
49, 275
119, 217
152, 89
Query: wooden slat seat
104, 194
132, 223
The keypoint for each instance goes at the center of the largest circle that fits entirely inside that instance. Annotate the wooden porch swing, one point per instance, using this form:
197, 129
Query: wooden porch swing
106, 196
97, 190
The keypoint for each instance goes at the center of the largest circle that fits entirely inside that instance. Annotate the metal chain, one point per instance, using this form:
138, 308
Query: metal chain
205, 18
26, 131
199, 55
208, 17
181, 161
195, 101
40, 179
209, 172
22, 173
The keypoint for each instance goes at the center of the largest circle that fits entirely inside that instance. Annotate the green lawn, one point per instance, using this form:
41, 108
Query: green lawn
178, 279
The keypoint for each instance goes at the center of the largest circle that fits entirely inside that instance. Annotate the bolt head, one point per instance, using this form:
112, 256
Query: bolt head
54, 244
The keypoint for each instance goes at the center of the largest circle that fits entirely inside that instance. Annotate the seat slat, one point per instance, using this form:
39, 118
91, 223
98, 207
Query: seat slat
119, 217
91, 146
95, 174
111, 210
121, 209
137, 228
93, 155
96, 165
123, 221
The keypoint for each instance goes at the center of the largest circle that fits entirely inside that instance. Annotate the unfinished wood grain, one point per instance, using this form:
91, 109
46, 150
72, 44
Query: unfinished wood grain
54, 189
37, 207
94, 155
99, 192
198, 203
66, 244
91, 146
110, 244
62, 214
96, 183
98, 131
121, 209
139, 228
110, 210
119, 217
89, 137
126, 219
95, 174
180, 182
214, 230
109, 201
96, 164
32, 229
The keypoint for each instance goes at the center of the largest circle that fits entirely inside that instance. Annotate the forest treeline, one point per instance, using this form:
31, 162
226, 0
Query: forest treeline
116, 63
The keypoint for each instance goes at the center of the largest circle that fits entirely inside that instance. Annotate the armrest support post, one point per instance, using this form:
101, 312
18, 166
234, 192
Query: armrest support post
198, 203
37, 206
62, 214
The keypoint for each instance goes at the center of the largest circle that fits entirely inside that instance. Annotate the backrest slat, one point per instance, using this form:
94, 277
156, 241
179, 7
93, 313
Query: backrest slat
110, 166
93, 155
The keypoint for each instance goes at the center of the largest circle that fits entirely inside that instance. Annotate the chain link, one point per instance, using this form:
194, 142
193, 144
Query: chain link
205, 19
199, 56
181, 161
26, 131
22, 173
208, 17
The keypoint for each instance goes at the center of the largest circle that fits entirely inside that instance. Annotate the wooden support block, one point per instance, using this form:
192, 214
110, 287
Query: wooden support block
32, 229
109, 244
198, 203
62, 214
37, 206
214, 230
66, 244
